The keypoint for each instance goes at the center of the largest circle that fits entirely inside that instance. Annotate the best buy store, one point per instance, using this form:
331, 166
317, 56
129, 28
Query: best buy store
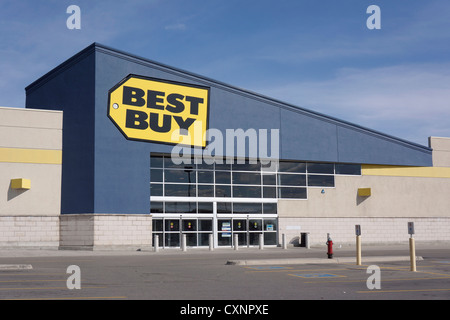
88, 164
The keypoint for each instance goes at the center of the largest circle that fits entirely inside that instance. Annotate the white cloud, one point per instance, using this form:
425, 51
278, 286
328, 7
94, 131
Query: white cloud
176, 27
409, 101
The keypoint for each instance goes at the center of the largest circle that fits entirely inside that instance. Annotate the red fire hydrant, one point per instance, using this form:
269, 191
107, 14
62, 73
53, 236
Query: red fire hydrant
330, 247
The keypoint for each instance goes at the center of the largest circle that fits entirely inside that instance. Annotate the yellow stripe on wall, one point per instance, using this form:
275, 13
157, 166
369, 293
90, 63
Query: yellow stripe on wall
41, 156
400, 171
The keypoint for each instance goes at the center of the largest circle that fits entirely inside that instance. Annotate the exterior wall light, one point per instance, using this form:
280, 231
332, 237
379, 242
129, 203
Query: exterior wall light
20, 183
364, 192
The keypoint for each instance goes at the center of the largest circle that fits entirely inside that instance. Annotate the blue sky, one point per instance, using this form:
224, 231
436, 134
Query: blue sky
315, 54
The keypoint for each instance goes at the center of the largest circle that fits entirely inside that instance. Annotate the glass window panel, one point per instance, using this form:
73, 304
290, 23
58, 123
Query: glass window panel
224, 207
247, 207
189, 224
180, 207
156, 175
239, 225
223, 191
179, 176
203, 239
223, 166
205, 207
291, 192
247, 166
179, 190
204, 166
255, 225
205, 225
320, 167
156, 207
205, 190
350, 169
320, 181
156, 189
205, 177
172, 225
223, 177
269, 179
253, 238
157, 225
242, 238
270, 238
292, 166
172, 239
246, 192
168, 163
270, 225
156, 161
291, 179
270, 208
224, 234
191, 239
224, 239
246, 178
269, 192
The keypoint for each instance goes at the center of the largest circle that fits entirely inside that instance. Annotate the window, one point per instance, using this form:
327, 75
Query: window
348, 169
320, 181
291, 179
320, 168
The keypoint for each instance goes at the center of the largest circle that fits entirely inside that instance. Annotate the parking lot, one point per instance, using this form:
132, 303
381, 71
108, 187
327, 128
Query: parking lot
201, 275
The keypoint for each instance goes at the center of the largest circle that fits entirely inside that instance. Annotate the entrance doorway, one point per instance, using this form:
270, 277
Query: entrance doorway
198, 228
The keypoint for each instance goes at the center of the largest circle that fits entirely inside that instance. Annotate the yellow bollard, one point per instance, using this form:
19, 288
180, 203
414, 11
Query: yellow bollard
358, 250
412, 253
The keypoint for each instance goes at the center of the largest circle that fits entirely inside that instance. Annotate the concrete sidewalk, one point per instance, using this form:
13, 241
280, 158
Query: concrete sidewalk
242, 256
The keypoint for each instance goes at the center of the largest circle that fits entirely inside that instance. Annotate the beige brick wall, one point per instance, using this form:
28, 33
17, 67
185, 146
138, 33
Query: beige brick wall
441, 151
106, 231
29, 231
374, 230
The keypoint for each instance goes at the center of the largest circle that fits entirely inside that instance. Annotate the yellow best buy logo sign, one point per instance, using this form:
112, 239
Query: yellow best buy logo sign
154, 110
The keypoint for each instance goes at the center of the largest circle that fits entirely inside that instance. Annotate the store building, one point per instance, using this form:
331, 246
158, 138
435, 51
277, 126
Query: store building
259, 165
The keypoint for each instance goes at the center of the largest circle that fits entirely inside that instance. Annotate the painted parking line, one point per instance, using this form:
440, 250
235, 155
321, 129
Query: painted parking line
51, 288
269, 268
403, 290
70, 298
316, 275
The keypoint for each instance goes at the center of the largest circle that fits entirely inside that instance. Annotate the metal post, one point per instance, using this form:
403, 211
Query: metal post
284, 241
211, 242
236, 241
183, 242
358, 250
261, 241
307, 240
412, 253
156, 243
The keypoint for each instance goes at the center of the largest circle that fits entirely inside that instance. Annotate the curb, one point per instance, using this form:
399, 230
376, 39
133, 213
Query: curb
317, 260
16, 267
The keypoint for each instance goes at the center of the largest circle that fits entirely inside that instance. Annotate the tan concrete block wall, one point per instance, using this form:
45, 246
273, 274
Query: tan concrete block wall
123, 230
106, 231
29, 231
76, 230
441, 151
374, 230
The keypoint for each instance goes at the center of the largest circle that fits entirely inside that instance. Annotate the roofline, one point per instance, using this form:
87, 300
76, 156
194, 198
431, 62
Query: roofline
208, 81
